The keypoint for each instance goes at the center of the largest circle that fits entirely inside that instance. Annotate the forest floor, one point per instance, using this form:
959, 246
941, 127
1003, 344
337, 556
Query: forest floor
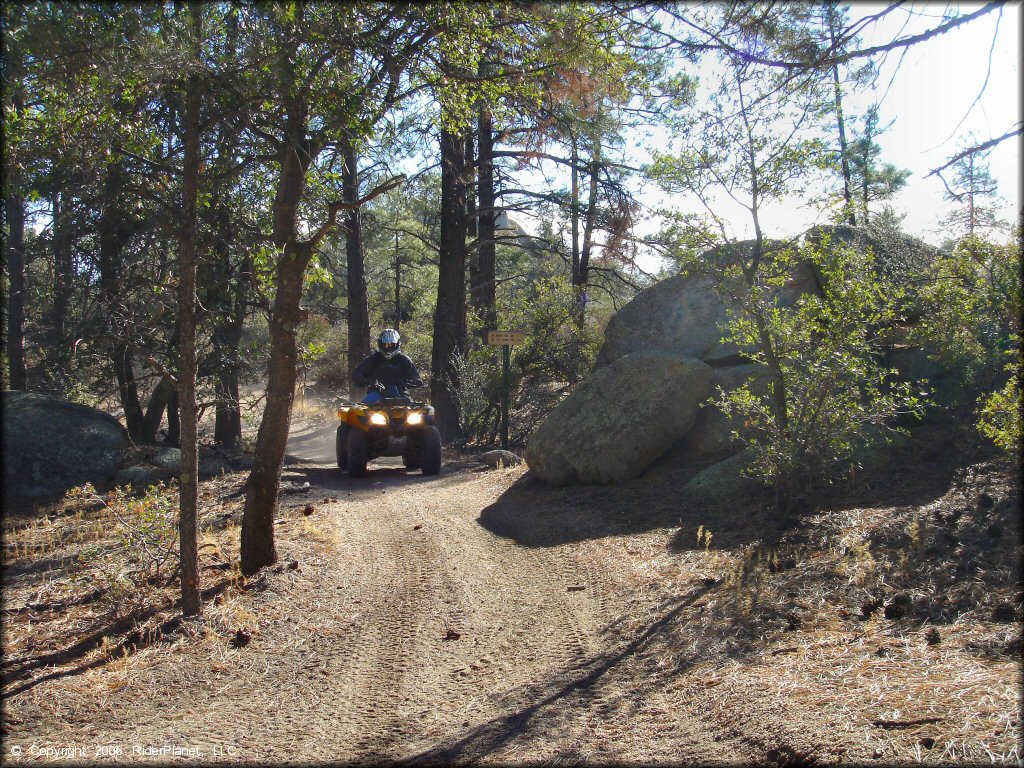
481, 616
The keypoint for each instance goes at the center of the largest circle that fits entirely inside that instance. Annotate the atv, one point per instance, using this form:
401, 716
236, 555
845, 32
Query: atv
392, 426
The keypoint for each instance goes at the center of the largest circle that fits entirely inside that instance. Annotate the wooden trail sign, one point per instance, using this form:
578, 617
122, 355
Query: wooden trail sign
505, 339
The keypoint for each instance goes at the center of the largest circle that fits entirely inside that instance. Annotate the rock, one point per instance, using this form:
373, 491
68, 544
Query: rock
167, 458
722, 480
494, 459
141, 476
51, 445
619, 420
687, 315
213, 468
712, 431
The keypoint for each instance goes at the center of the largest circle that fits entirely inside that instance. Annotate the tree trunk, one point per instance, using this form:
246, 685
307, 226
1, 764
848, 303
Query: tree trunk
128, 391
358, 308
450, 314
173, 437
227, 332
844, 156
158, 402
188, 488
15, 208
63, 279
114, 231
398, 286
483, 281
294, 157
589, 222
574, 212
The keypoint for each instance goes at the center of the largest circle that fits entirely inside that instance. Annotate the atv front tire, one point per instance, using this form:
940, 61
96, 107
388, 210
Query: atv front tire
430, 452
357, 453
341, 446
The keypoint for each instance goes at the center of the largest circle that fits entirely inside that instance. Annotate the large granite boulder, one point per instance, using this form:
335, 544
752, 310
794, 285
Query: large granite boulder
687, 315
619, 420
712, 431
51, 445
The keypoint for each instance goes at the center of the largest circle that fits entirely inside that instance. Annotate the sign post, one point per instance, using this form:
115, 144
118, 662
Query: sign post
505, 339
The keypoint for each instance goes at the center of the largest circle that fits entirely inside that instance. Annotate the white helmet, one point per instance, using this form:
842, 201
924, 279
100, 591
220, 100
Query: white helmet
389, 342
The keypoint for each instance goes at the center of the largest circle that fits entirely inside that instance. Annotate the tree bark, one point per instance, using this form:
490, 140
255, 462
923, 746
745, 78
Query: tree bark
450, 314
173, 437
294, 157
63, 279
358, 306
114, 231
483, 280
227, 334
188, 487
844, 156
589, 222
15, 208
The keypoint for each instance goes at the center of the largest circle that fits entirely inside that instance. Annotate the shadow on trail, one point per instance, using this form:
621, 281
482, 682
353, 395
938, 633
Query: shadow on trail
535, 514
532, 706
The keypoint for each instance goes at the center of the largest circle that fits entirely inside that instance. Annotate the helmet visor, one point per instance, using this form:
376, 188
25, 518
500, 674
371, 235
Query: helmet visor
388, 347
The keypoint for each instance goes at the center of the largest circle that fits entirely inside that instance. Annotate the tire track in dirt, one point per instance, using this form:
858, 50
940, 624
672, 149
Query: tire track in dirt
409, 687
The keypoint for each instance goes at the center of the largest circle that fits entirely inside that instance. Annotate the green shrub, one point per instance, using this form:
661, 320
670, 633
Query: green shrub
826, 392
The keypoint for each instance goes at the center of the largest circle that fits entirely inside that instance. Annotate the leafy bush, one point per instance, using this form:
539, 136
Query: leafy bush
825, 393
556, 354
147, 528
972, 310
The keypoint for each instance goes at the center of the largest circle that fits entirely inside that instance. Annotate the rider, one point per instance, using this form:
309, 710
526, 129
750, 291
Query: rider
387, 372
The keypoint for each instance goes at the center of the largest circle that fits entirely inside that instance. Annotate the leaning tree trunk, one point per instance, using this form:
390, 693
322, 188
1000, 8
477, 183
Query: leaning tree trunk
286, 314
844, 153
450, 314
358, 310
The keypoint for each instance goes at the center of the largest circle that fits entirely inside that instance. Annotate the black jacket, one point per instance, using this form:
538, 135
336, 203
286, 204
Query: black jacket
399, 371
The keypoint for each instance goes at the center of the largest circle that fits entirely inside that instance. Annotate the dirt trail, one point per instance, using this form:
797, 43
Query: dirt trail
411, 633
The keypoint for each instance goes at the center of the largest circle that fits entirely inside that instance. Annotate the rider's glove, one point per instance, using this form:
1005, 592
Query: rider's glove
376, 386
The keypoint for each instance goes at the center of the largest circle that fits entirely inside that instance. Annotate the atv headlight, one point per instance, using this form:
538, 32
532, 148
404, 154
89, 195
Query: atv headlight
378, 418
416, 417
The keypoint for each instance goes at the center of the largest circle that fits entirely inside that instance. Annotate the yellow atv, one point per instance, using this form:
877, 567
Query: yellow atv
392, 426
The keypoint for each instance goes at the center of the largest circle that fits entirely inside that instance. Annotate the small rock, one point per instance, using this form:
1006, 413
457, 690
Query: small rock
451, 634
932, 636
494, 459
927, 742
218, 600
308, 510
985, 501
417, 527
575, 588
293, 565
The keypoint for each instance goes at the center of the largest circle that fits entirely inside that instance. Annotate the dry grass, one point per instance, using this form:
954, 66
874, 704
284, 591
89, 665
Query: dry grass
865, 633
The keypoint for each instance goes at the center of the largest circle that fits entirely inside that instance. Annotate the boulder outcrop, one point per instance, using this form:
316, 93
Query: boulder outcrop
620, 419
593, 436
51, 445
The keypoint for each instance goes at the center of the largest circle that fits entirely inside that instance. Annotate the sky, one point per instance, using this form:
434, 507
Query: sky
933, 91
934, 95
